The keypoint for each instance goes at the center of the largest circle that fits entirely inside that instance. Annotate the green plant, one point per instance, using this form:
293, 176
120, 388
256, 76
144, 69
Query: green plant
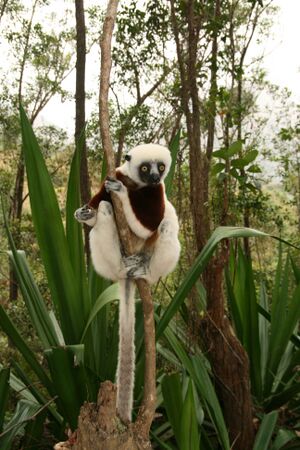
268, 329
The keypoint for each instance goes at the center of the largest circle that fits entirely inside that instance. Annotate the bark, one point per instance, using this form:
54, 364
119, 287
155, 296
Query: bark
228, 359
80, 110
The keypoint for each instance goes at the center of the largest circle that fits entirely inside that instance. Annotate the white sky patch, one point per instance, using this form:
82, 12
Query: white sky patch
282, 57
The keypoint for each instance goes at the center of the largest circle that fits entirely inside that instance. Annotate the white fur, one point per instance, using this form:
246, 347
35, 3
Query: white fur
108, 262
146, 153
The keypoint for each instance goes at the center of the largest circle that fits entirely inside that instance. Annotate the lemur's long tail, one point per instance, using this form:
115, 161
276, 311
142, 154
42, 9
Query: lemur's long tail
126, 359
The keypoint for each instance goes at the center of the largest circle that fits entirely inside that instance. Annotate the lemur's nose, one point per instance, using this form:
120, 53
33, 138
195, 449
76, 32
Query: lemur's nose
155, 178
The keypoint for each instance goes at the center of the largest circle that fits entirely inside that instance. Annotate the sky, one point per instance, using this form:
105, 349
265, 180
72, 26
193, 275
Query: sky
282, 63
282, 56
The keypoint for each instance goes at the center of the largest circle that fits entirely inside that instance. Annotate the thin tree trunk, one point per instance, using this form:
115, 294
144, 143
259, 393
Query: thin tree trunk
80, 111
17, 199
246, 212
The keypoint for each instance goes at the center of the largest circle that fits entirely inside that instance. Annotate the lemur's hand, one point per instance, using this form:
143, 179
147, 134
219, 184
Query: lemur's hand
86, 214
111, 184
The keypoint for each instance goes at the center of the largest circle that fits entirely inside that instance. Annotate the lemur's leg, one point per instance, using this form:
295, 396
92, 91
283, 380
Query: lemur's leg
106, 250
105, 245
162, 260
166, 252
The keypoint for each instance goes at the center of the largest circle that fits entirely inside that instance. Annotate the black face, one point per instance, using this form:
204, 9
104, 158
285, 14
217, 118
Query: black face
151, 172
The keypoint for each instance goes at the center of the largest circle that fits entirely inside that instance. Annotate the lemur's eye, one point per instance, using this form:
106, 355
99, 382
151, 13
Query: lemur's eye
161, 168
144, 168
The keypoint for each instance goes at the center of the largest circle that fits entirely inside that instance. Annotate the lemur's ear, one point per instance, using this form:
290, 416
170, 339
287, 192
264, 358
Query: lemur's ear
128, 157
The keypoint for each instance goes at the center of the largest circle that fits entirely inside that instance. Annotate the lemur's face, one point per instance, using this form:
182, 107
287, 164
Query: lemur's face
151, 172
148, 164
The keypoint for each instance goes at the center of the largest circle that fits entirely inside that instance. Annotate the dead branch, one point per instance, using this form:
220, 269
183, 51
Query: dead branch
147, 410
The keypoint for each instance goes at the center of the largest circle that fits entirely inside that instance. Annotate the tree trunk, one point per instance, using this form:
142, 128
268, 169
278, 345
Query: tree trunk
80, 111
229, 361
228, 358
99, 428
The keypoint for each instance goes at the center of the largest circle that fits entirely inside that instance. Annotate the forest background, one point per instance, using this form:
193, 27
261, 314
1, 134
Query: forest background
190, 75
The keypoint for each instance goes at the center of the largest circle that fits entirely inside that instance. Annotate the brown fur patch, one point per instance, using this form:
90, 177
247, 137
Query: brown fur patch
147, 202
101, 195
148, 205
151, 240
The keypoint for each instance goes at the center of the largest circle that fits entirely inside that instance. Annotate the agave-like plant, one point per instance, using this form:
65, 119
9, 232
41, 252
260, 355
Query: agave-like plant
79, 334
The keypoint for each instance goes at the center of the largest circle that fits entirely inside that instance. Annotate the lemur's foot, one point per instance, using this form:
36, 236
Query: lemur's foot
138, 259
111, 184
136, 272
86, 214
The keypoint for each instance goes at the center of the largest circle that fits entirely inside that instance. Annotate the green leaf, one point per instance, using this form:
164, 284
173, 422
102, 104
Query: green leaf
198, 267
73, 227
23, 413
296, 270
233, 305
174, 149
220, 153
4, 393
282, 438
216, 168
281, 332
283, 397
11, 331
35, 304
265, 431
70, 383
110, 294
254, 169
198, 372
208, 395
189, 433
36, 394
32, 297
238, 163
245, 295
226, 153
63, 284
250, 156
172, 394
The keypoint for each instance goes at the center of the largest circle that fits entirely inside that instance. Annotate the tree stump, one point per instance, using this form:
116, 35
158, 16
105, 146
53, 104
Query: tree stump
99, 427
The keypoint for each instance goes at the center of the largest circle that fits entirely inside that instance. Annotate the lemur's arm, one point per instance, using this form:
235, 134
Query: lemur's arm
121, 190
88, 213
